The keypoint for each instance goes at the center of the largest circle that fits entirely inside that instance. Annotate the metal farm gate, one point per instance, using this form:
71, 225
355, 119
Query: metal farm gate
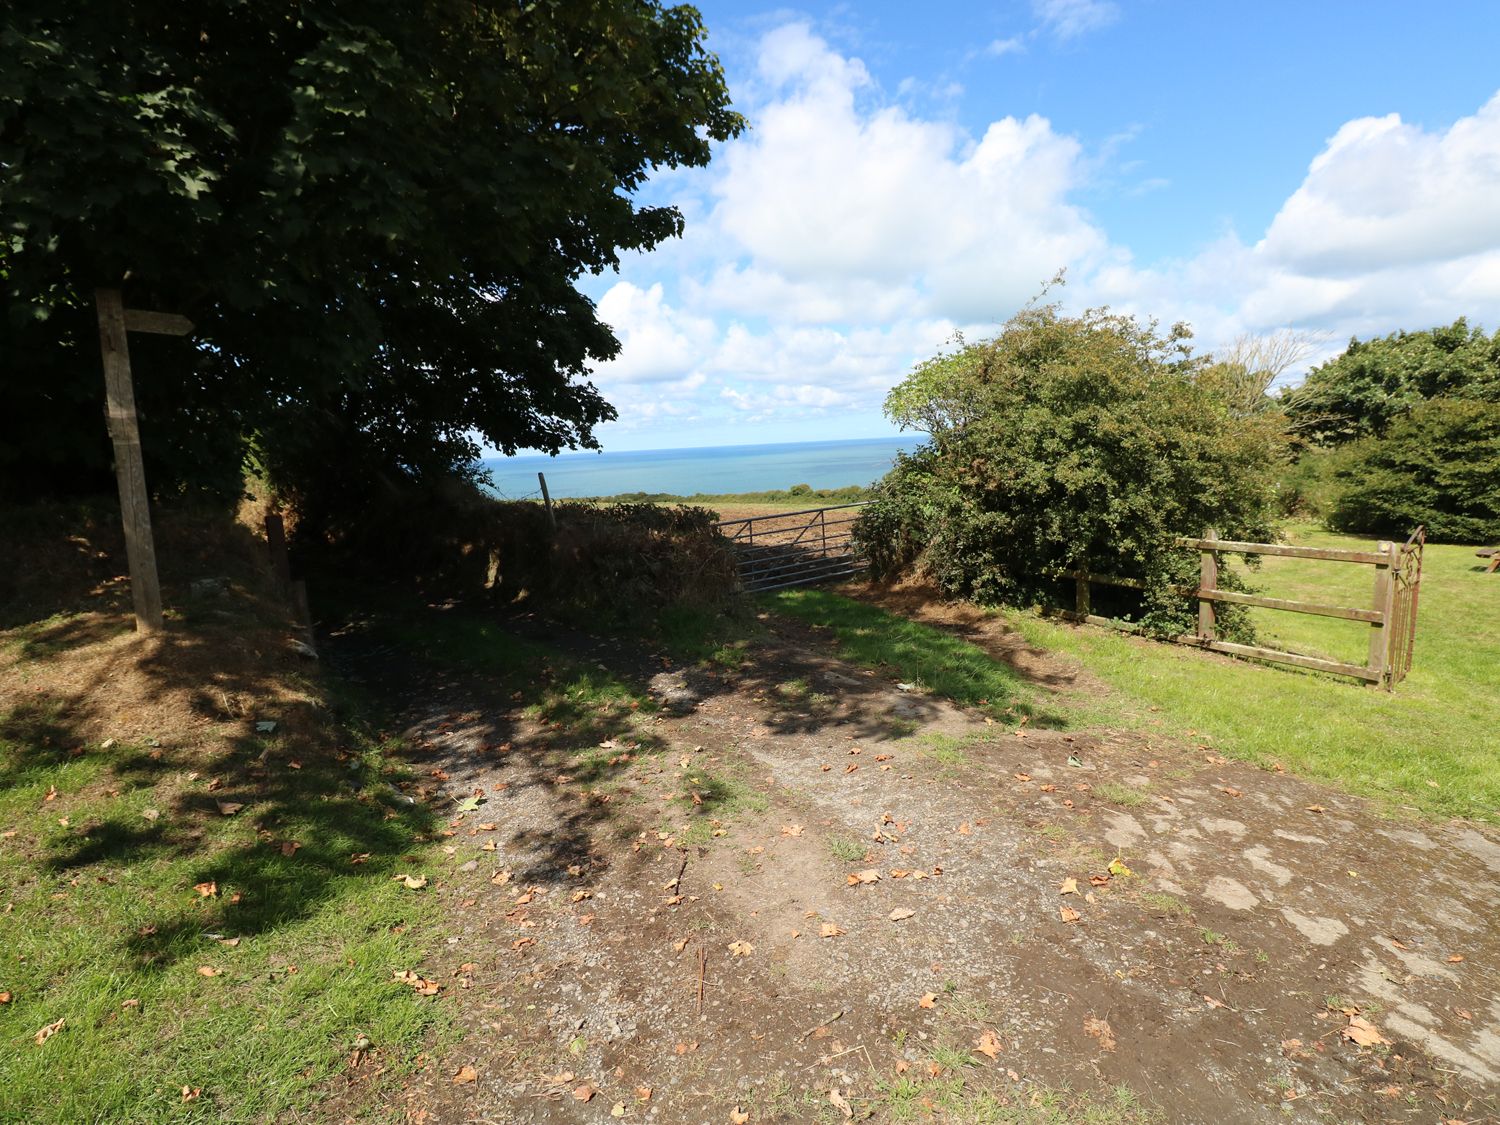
794, 548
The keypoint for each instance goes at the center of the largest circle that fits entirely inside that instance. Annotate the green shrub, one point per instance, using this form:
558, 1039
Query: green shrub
1066, 443
1438, 466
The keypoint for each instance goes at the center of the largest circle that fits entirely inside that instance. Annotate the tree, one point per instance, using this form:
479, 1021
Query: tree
376, 214
1438, 466
1065, 443
1374, 383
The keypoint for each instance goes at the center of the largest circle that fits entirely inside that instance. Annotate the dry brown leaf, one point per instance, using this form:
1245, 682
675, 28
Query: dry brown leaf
49, 1031
1068, 914
829, 930
208, 971
963, 829
643, 1093
738, 1116
1455, 958
500, 878
687, 1048
855, 879
1101, 1031
207, 890
1069, 887
840, 1103
289, 847
358, 858
1213, 1001
988, 1044
791, 830
229, 808
4, 997
464, 1075
1098, 880
414, 882
191, 1093
585, 1092
740, 949
617, 1110
901, 914
1362, 1032
929, 1000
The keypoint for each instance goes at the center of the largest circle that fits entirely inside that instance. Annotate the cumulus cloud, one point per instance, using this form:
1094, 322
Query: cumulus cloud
846, 236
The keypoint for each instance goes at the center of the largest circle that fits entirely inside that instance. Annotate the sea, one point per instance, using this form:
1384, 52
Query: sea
710, 470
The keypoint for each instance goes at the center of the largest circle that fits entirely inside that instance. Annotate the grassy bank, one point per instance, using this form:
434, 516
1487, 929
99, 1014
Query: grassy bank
1430, 745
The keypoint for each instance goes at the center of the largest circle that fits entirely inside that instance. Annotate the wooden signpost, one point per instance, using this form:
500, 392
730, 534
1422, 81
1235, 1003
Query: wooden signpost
115, 320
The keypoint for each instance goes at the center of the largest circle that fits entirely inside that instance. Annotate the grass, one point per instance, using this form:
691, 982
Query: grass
928, 658
1429, 746
101, 926
957, 1098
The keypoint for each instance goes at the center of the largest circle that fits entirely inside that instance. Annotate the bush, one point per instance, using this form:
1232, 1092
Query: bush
616, 564
1438, 466
1067, 443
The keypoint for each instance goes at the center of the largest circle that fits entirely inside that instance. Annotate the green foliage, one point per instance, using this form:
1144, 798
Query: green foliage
375, 216
1064, 443
1374, 383
1439, 465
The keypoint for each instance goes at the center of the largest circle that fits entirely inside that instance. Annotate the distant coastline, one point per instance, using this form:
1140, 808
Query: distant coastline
709, 471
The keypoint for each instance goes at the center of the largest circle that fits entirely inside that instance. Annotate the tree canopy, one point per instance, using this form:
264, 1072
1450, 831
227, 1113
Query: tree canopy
375, 213
1374, 383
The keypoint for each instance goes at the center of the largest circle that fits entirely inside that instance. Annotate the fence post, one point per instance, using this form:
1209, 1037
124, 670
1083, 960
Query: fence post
547, 500
1208, 579
1383, 602
1082, 593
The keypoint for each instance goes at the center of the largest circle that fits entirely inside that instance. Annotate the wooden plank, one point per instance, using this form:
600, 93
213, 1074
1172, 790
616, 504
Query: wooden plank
1233, 547
157, 323
1379, 634
130, 469
1208, 581
1359, 671
1348, 613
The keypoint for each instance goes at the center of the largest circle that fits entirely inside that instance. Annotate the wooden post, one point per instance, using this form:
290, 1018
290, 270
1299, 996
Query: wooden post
547, 500
1208, 579
1384, 603
1081, 593
130, 470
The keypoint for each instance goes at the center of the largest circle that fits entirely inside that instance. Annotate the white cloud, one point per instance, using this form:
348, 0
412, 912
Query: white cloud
1001, 47
657, 342
1067, 19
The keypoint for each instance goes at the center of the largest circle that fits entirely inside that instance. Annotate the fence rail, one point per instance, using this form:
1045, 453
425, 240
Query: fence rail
794, 548
1392, 616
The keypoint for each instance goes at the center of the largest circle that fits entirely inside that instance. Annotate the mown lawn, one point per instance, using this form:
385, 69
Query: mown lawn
209, 929
1432, 745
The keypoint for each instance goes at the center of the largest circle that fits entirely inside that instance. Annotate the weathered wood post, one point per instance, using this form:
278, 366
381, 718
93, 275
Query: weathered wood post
1081, 593
1383, 603
1208, 579
547, 500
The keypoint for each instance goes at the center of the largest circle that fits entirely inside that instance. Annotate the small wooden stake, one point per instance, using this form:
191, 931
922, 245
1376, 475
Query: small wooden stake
547, 500
130, 470
1208, 579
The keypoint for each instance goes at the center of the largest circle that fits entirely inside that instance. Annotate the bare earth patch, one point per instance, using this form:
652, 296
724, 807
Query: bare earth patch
797, 892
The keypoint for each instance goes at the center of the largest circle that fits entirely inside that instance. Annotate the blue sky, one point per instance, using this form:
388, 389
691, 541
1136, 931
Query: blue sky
916, 169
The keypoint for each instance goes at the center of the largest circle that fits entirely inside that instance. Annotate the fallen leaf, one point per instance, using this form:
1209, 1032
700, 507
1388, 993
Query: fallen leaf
687, 1048
289, 847
741, 948
229, 808
863, 877
361, 857
1362, 1032
988, 1044
49, 1031
929, 1000
1214, 1001
901, 914
617, 1110
191, 1093
560, 1079
51, 794
738, 1116
1117, 867
465, 1074
1231, 791
829, 930
208, 971
207, 890
643, 1093
840, 1103
1101, 1031
1069, 887
792, 830
1098, 880
963, 829
1316, 808
500, 878
4, 997
585, 1092
1068, 914
414, 882
1455, 959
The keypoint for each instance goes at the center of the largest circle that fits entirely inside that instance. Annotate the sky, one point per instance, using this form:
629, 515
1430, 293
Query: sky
913, 169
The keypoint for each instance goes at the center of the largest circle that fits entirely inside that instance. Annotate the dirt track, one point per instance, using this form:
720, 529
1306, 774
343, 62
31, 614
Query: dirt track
1253, 927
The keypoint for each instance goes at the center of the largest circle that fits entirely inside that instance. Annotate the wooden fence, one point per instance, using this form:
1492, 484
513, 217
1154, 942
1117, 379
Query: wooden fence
794, 548
1392, 615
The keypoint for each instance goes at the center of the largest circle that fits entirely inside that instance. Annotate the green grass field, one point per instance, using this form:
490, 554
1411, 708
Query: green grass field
1433, 744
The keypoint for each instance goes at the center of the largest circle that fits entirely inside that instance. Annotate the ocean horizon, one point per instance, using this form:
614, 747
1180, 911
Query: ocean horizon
709, 469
